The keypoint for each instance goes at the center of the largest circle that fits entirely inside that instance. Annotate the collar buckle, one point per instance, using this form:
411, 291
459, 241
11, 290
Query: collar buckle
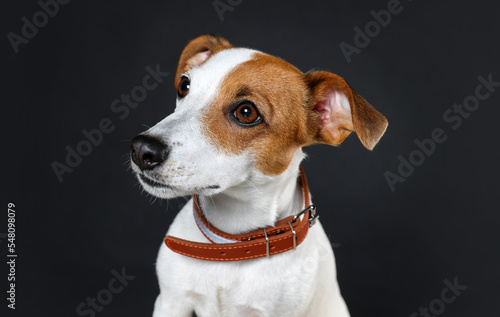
312, 215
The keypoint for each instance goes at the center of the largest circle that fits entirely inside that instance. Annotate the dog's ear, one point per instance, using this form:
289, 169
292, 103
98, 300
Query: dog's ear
198, 51
335, 110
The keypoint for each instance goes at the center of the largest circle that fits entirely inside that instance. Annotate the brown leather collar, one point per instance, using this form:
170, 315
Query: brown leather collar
287, 234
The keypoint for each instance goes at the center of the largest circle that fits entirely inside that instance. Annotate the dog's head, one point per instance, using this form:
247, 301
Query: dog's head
241, 114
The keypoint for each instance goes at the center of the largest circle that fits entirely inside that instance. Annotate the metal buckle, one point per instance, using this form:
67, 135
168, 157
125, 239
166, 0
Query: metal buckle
294, 235
267, 243
312, 216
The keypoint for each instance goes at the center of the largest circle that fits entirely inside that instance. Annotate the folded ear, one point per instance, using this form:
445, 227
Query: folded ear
198, 51
335, 110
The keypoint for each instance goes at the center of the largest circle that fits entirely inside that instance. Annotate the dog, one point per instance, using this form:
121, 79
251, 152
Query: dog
248, 243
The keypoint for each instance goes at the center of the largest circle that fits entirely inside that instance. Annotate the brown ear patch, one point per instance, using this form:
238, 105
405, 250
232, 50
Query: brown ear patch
336, 125
362, 118
369, 124
198, 51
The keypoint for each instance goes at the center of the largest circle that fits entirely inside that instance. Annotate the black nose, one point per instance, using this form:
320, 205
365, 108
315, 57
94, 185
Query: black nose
147, 152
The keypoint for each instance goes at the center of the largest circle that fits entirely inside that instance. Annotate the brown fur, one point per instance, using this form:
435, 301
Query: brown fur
286, 99
367, 122
199, 45
277, 90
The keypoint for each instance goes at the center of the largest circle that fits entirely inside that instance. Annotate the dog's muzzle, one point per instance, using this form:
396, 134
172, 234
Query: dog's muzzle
148, 152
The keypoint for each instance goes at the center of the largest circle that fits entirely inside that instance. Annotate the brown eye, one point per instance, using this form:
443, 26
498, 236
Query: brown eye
247, 114
184, 85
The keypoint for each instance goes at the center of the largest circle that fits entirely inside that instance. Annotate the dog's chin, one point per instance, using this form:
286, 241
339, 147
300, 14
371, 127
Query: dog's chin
164, 193
160, 189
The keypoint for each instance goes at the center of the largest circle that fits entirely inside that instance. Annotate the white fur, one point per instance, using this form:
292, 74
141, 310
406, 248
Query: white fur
194, 164
300, 282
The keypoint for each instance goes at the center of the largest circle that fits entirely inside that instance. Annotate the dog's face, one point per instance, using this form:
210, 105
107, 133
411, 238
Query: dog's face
240, 115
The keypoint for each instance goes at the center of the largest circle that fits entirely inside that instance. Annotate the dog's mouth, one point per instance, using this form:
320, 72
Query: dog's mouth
158, 188
153, 183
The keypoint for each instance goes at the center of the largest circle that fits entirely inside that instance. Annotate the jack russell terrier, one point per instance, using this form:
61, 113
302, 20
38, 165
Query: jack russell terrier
247, 243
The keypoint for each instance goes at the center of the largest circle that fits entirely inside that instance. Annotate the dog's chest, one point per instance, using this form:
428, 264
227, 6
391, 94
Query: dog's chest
259, 287
273, 286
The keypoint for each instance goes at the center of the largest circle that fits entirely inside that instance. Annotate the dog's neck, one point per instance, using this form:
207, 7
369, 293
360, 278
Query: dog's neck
258, 203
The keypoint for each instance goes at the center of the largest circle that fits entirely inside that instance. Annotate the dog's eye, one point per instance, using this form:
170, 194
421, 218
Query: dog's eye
184, 85
247, 114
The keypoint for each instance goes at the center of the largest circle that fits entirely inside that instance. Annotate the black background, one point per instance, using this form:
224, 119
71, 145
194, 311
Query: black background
393, 249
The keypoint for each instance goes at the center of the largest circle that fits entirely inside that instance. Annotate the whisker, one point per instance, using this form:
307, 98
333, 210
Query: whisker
250, 183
